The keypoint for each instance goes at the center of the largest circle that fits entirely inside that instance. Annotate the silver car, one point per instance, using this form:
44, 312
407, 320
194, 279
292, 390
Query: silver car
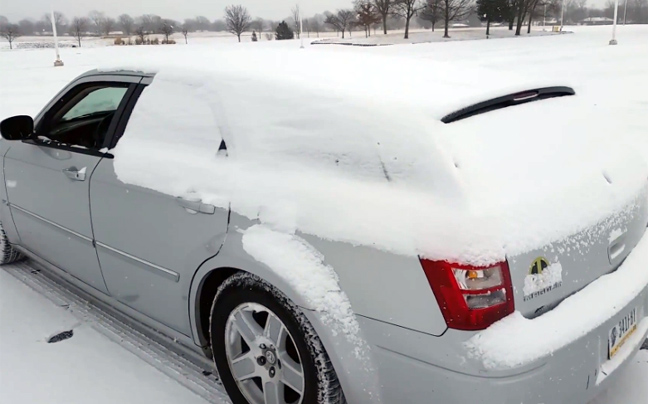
179, 265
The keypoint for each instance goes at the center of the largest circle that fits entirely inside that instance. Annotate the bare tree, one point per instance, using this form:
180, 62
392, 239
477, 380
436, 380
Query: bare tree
237, 19
367, 15
9, 32
126, 23
202, 23
27, 27
150, 22
532, 9
407, 9
384, 8
431, 12
97, 18
453, 10
141, 33
295, 14
258, 25
341, 21
186, 28
78, 27
315, 25
219, 26
108, 25
167, 28
59, 20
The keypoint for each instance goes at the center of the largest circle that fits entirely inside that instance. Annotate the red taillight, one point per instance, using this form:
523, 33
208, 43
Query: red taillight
471, 298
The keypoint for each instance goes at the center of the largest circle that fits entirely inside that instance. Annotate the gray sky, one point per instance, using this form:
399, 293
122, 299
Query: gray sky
177, 9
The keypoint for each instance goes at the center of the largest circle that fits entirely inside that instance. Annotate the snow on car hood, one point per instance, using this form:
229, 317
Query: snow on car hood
331, 155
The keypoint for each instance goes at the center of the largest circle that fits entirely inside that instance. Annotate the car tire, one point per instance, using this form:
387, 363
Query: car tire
279, 333
7, 252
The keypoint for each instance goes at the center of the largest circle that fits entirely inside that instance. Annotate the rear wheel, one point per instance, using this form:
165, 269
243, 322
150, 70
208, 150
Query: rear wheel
7, 252
265, 349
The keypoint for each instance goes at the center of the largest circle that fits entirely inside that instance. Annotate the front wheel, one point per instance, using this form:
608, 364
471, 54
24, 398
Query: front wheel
265, 349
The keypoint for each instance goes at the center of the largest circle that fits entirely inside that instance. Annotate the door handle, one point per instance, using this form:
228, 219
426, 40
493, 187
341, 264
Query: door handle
74, 174
196, 206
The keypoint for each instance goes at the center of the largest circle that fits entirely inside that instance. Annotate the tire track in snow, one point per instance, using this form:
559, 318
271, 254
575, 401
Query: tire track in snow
157, 350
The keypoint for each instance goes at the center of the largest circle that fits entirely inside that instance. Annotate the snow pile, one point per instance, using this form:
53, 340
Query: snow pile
515, 340
302, 267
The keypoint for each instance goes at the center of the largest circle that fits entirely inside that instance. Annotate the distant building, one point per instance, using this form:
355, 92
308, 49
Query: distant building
597, 21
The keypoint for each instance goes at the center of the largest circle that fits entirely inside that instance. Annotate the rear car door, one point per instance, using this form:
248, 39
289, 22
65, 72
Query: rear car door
48, 178
151, 244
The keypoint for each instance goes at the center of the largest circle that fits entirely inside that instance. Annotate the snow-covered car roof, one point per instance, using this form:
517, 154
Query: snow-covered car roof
350, 146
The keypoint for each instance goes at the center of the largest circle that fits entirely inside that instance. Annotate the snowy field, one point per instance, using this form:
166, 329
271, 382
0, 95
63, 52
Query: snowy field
91, 367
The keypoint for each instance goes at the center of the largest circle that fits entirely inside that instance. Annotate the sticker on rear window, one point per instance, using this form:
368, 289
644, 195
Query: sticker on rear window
543, 277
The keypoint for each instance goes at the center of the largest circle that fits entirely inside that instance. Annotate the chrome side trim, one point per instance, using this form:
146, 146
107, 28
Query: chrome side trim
58, 226
167, 273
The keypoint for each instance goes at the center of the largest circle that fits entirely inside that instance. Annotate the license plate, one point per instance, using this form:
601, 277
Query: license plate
621, 331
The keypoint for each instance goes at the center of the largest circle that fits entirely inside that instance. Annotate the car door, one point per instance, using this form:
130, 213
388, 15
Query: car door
151, 244
47, 178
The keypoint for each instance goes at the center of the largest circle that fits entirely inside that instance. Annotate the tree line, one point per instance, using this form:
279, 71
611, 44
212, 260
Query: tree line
363, 15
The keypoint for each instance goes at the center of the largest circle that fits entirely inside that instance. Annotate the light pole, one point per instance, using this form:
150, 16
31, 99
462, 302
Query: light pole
625, 11
613, 41
301, 31
562, 15
58, 62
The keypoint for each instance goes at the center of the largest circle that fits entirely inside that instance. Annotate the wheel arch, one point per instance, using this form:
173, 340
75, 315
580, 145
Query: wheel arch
357, 375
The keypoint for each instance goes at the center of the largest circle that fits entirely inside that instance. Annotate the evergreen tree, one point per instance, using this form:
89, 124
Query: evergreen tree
283, 31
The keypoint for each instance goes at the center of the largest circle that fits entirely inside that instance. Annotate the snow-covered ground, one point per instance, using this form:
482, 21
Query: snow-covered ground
89, 366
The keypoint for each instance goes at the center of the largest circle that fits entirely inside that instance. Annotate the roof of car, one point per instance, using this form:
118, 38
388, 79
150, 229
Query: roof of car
361, 75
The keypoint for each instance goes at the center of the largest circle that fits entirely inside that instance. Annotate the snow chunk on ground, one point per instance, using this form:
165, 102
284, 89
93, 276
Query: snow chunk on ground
515, 340
301, 266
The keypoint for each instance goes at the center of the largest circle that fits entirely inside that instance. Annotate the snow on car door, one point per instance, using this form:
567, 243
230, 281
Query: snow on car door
150, 244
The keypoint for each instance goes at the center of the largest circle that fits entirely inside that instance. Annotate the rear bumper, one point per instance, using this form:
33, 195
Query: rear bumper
574, 374
419, 368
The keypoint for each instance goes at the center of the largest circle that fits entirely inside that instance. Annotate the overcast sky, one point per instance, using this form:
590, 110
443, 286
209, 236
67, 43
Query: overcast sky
176, 9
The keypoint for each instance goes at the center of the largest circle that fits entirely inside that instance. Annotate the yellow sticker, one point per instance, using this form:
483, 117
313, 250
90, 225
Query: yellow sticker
538, 265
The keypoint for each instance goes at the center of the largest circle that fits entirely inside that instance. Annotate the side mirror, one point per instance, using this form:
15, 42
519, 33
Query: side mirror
17, 127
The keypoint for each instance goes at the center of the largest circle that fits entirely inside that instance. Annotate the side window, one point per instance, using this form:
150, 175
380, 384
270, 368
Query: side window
83, 116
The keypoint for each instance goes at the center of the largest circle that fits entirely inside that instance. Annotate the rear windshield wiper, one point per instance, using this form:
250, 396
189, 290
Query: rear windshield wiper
507, 101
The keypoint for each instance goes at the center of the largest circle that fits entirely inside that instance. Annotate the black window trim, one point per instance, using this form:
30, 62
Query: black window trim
114, 124
123, 117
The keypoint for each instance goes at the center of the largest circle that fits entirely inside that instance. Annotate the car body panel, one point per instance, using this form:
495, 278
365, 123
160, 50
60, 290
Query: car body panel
375, 279
150, 246
52, 211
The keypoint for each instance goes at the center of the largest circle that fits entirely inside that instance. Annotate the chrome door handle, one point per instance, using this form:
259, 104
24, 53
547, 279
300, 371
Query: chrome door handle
196, 206
74, 174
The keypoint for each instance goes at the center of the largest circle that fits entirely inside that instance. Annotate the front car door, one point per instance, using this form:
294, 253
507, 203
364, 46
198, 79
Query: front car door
151, 244
48, 178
